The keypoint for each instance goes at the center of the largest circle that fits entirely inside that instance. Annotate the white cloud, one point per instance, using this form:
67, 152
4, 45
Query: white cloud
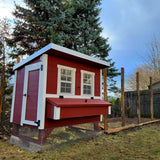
7, 7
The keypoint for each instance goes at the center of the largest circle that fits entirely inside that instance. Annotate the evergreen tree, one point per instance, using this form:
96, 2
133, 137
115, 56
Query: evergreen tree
69, 23
37, 25
5, 70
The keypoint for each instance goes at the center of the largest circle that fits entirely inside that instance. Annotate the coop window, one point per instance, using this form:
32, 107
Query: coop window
87, 80
66, 80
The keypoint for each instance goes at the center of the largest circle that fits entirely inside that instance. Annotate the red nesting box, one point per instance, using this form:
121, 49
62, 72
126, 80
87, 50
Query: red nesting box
57, 86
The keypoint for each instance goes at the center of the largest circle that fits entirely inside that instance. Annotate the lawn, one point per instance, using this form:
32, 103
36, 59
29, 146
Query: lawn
138, 143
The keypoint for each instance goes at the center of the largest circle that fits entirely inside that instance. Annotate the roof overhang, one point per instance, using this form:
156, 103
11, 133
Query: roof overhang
68, 52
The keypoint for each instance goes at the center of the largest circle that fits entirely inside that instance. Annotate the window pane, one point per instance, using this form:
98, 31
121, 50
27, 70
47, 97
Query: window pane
68, 85
62, 84
62, 71
68, 72
63, 77
66, 77
89, 81
87, 78
62, 90
84, 80
68, 90
69, 79
89, 87
88, 91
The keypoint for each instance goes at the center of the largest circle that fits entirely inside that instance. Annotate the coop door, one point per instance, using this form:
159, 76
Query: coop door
31, 94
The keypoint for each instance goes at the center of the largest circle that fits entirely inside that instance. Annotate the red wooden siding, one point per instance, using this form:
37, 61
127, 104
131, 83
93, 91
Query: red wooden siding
82, 112
49, 110
70, 121
34, 61
52, 74
18, 96
32, 95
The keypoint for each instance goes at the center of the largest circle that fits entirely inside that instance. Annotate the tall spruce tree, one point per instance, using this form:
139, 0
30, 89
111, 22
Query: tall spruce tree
5, 71
72, 24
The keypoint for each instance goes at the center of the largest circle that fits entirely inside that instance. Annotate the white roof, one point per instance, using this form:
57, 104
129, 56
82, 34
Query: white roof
61, 49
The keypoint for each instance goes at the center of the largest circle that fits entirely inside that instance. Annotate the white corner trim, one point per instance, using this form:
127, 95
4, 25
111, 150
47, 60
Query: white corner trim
13, 96
61, 49
42, 92
101, 83
109, 110
101, 117
56, 115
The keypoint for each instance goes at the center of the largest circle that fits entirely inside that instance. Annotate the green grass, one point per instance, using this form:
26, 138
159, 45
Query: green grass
139, 143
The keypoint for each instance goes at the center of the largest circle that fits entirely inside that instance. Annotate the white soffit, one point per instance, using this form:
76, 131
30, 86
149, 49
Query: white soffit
61, 49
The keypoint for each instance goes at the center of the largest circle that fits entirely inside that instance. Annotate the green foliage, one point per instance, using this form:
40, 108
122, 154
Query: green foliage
6, 72
69, 23
116, 107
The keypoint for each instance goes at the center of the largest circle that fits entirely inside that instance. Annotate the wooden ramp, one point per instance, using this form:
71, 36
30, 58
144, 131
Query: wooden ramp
116, 130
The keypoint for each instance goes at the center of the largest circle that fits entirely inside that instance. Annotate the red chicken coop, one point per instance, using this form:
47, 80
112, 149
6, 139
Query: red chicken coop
55, 87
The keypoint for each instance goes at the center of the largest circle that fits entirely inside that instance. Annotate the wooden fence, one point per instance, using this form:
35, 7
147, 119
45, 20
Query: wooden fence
131, 98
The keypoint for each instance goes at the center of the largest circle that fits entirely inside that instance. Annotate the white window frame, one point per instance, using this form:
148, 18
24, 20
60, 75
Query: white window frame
73, 70
92, 87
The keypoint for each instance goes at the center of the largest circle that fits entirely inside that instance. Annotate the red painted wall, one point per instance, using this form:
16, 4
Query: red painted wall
49, 123
52, 74
18, 96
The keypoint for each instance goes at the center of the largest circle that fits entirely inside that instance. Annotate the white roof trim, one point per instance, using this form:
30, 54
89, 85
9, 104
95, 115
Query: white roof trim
61, 49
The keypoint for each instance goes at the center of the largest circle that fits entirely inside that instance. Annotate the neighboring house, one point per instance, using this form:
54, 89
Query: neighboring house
56, 87
155, 85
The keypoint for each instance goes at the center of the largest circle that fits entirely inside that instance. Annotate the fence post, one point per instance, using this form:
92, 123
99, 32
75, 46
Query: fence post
122, 97
105, 96
151, 99
138, 100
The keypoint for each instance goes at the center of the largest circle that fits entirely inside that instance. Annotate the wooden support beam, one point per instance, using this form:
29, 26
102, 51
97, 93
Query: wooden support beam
105, 96
151, 99
116, 130
122, 97
138, 98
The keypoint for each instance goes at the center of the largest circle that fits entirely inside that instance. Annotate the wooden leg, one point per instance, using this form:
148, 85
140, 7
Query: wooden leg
96, 126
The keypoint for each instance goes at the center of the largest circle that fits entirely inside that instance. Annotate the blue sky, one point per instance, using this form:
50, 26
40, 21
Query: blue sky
129, 24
